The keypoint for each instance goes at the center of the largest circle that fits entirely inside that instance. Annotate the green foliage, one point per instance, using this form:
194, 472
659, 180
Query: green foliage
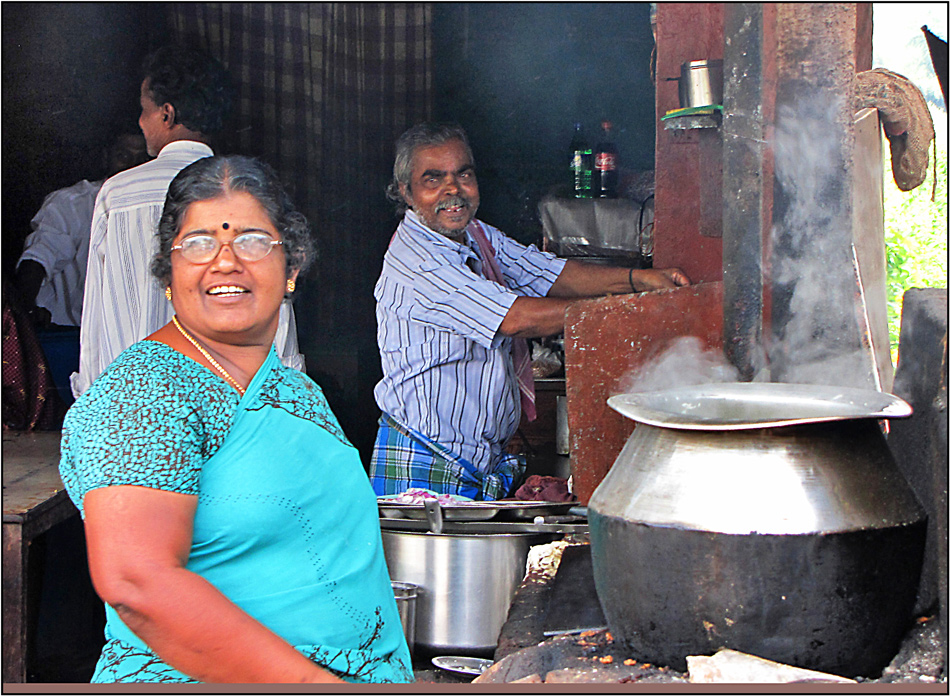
915, 232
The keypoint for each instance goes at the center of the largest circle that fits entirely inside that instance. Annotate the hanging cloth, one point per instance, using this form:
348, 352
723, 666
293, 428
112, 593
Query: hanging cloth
520, 354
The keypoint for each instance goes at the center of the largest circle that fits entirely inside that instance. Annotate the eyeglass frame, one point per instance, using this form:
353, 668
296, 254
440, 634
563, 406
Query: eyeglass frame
221, 245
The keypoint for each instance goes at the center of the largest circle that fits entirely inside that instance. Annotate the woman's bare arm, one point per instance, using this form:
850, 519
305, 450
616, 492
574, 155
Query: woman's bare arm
138, 543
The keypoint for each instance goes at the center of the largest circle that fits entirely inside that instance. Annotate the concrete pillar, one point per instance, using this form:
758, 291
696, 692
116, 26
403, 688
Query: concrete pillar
919, 443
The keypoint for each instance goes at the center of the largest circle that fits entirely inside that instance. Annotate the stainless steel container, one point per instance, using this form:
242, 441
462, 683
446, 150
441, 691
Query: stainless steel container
405, 594
766, 518
466, 583
700, 83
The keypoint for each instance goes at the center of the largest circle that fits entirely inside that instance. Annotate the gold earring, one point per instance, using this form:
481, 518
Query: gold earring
291, 285
168, 293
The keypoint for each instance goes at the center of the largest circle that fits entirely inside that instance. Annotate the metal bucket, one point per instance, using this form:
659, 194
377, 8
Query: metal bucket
406, 594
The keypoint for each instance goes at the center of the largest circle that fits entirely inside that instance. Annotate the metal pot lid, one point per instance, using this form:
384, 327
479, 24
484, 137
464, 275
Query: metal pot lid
504, 509
748, 405
577, 525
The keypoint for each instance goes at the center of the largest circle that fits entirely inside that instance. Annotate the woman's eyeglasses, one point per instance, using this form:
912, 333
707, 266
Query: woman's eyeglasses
203, 248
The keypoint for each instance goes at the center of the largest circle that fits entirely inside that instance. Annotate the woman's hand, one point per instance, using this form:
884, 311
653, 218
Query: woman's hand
138, 542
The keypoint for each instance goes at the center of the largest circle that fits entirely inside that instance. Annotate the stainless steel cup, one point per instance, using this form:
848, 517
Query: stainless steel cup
406, 594
700, 83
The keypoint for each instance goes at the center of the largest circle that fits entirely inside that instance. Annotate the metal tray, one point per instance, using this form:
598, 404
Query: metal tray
529, 509
746, 405
457, 513
553, 526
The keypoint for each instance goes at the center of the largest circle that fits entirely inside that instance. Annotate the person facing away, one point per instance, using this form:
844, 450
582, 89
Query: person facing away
231, 529
455, 301
51, 272
185, 97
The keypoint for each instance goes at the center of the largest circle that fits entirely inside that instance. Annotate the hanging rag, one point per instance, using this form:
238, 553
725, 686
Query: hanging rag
30, 399
520, 354
907, 123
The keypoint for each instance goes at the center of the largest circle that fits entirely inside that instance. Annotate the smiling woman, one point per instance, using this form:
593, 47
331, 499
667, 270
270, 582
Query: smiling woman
206, 537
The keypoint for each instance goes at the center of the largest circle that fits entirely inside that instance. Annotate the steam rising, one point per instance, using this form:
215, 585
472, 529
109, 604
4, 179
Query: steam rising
818, 335
685, 362
820, 342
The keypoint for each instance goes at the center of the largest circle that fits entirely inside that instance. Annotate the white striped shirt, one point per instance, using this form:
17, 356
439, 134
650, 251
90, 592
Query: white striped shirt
123, 302
447, 372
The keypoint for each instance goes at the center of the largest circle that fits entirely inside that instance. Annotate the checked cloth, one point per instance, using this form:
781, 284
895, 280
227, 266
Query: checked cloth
405, 459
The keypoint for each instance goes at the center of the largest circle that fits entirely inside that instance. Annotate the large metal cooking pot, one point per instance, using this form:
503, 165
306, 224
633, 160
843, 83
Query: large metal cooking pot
466, 584
766, 518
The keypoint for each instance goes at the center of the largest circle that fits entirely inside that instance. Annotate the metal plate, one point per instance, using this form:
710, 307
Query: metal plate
747, 405
463, 665
577, 526
529, 509
458, 513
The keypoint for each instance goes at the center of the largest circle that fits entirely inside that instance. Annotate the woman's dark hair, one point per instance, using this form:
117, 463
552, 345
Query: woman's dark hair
196, 84
213, 177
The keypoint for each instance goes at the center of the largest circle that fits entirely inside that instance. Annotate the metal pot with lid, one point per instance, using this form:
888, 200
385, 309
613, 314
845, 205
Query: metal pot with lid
765, 518
466, 566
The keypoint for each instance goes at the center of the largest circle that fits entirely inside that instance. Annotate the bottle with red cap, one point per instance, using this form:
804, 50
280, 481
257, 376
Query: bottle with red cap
606, 174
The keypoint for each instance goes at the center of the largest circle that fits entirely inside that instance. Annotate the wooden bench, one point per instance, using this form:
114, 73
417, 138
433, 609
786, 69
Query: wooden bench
34, 500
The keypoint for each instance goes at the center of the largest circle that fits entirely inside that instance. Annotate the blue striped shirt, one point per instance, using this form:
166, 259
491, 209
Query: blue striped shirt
447, 372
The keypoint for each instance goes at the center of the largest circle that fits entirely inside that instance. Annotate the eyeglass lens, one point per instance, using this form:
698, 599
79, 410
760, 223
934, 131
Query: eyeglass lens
250, 246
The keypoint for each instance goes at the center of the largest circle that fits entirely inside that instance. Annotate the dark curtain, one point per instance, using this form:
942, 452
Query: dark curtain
323, 90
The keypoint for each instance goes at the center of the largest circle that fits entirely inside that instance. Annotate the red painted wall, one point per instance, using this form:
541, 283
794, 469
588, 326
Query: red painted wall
684, 32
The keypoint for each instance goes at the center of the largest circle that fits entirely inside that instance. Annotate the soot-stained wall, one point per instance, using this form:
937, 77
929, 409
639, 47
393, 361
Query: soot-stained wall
517, 76
70, 75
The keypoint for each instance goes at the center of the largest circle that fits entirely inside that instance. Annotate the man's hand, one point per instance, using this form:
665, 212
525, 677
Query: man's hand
40, 316
657, 279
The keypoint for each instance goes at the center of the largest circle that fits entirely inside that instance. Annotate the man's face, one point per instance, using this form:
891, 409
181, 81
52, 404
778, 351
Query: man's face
151, 121
442, 189
128, 150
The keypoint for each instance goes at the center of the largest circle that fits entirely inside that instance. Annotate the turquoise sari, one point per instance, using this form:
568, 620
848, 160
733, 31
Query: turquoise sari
286, 524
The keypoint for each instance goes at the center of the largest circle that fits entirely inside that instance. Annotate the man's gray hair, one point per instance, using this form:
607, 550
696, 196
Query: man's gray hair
420, 135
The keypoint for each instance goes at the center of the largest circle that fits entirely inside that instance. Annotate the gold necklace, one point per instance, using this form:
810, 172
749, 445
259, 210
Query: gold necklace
214, 363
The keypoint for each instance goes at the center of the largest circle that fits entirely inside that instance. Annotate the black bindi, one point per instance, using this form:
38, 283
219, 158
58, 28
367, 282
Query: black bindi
225, 226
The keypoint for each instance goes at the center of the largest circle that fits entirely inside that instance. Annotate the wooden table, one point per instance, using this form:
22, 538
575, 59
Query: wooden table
33, 501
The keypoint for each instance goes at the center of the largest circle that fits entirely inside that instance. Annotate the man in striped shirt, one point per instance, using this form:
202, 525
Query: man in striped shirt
454, 301
185, 98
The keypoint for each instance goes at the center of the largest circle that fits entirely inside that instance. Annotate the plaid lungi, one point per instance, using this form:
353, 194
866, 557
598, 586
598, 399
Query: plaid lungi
404, 458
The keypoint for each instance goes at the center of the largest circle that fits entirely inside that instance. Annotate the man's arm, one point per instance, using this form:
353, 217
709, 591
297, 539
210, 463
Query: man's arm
579, 279
27, 280
535, 317
90, 325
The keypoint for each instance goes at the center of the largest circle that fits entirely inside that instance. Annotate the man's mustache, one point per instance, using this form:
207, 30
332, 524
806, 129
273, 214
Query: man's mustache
451, 202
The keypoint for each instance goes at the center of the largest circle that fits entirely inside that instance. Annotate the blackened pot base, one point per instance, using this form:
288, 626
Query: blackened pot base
837, 603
